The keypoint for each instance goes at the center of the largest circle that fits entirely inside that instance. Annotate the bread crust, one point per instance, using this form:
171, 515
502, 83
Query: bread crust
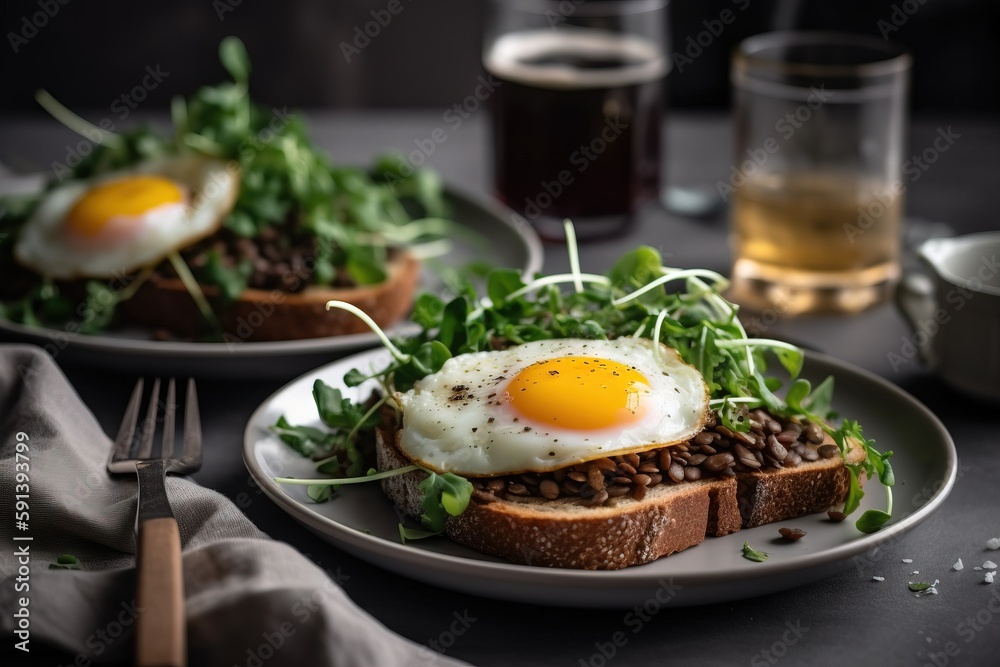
672, 517
269, 315
788, 493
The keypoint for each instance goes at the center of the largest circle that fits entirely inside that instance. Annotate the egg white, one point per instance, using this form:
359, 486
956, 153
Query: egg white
44, 246
476, 435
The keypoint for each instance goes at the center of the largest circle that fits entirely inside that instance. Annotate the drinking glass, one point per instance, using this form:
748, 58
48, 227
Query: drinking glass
577, 109
816, 184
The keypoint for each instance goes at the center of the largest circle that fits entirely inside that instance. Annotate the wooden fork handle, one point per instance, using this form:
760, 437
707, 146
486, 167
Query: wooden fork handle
159, 634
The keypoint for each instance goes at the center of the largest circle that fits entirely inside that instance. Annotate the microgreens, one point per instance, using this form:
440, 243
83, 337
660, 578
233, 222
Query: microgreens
351, 217
875, 465
443, 495
630, 301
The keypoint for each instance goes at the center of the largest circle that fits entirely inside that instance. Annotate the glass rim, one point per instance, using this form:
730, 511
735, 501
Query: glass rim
896, 61
599, 8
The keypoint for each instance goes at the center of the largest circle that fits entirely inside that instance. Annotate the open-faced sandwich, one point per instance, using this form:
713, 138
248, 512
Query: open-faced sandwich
234, 228
597, 427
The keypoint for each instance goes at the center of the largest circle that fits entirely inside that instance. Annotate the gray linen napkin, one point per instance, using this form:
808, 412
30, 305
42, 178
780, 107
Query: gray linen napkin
250, 600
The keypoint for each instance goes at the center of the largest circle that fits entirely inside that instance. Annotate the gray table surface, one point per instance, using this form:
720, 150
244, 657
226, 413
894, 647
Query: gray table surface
849, 618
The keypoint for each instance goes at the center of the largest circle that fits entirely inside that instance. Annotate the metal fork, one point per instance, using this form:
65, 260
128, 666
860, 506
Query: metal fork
159, 635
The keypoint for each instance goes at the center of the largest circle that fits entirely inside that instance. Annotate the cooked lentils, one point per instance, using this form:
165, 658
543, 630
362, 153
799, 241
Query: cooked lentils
279, 259
714, 452
792, 534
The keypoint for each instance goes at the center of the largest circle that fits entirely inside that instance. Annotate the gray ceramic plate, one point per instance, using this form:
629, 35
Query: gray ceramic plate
361, 521
506, 240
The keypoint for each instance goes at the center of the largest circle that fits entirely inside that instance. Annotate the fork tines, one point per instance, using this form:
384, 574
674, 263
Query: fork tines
141, 442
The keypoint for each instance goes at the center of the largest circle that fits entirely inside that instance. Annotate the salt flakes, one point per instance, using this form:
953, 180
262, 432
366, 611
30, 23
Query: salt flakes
989, 565
993, 543
958, 565
878, 578
930, 590
990, 577
907, 560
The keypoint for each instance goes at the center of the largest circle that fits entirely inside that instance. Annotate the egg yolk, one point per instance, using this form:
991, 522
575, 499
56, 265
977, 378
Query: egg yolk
122, 198
579, 393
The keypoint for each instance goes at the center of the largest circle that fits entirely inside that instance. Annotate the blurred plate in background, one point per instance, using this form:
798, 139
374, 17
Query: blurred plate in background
505, 240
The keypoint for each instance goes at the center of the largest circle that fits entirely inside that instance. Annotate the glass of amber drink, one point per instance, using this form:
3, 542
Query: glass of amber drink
577, 110
816, 186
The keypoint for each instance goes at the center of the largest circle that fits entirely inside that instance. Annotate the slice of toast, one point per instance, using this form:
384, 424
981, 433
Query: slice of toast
568, 532
780, 494
268, 315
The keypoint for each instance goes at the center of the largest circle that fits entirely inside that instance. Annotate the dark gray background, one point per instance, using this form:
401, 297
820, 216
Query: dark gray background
90, 52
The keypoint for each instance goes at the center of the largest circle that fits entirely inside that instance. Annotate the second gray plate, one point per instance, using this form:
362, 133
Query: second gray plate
507, 241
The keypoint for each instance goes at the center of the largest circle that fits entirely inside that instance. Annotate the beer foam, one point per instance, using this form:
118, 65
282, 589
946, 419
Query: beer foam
506, 58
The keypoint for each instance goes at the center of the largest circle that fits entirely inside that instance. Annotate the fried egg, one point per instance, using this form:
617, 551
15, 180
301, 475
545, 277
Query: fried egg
550, 404
104, 227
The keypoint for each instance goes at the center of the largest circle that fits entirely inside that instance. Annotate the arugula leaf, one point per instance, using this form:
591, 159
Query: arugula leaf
406, 533
875, 466
797, 392
872, 520
637, 268
98, 307
480, 268
235, 59
427, 359
791, 359
428, 191
366, 264
320, 493
500, 283
345, 460
886, 476
241, 223
527, 333
354, 377
762, 387
232, 281
65, 562
922, 586
338, 412
443, 495
306, 440
427, 311
475, 338
44, 303
455, 493
820, 400
355, 462
752, 554
854, 492
452, 330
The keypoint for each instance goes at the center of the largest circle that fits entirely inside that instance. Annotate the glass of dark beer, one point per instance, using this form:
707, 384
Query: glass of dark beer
577, 109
